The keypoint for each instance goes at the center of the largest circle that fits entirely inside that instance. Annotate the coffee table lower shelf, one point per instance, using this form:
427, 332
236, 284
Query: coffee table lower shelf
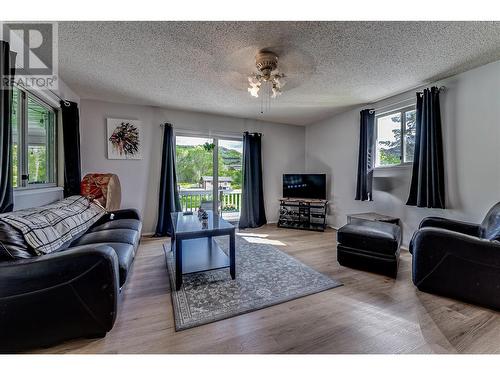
202, 254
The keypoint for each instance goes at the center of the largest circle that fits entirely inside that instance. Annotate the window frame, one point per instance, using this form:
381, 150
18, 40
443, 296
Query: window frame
23, 164
402, 111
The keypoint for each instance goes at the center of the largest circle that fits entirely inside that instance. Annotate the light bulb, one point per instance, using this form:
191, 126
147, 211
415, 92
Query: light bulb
254, 90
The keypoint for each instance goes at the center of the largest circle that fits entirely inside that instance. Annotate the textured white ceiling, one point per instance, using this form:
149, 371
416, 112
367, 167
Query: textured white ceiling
202, 66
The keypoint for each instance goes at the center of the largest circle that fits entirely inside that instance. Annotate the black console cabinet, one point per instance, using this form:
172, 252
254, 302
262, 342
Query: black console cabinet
307, 214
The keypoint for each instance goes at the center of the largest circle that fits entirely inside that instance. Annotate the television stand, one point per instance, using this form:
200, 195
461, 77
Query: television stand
306, 214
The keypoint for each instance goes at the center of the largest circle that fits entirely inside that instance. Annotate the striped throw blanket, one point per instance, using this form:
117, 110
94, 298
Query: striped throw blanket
46, 229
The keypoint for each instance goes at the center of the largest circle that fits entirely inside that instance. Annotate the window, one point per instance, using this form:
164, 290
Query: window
33, 141
395, 137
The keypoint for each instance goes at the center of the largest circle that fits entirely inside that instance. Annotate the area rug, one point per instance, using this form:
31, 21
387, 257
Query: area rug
265, 276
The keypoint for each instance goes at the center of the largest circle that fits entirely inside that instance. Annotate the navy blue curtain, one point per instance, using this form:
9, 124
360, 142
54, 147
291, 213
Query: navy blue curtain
7, 71
71, 145
253, 213
427, 182
168, 201
365, 155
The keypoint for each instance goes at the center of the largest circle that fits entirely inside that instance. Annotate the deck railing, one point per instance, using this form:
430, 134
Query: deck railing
192, 199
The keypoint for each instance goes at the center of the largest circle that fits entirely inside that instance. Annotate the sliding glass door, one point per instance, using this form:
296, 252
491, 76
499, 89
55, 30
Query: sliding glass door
194, 165
230, 174
209, 174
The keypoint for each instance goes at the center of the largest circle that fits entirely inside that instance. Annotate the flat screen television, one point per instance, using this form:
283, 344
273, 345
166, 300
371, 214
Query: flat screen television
308, 186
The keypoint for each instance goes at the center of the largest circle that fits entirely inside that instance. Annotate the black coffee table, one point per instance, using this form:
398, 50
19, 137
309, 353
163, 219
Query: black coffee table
194, 246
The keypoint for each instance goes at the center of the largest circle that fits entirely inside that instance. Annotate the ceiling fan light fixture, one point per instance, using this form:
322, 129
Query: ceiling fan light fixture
266, 63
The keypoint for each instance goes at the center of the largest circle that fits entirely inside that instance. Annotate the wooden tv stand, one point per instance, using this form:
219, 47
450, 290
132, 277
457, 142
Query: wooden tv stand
306, 214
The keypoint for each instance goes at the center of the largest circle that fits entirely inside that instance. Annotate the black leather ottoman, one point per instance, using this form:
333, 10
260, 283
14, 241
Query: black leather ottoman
370, 245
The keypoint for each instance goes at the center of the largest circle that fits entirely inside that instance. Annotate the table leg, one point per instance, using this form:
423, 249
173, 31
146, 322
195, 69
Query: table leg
178, 264
232, 254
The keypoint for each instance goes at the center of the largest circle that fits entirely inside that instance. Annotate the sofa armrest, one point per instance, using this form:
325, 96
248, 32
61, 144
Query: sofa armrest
432, 245
52, 270
56, 297
453, 225
457, 265
127, 213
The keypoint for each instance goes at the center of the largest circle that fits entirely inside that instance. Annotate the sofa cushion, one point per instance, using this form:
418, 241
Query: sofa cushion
124, 251
129, 236
490, 227
118, 224
373, 236
12, 244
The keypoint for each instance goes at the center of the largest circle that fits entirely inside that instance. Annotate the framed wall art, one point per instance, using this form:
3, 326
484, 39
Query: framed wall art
124, 139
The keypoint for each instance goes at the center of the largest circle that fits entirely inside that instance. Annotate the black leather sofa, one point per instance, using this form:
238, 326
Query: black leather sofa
70, 293
458, 259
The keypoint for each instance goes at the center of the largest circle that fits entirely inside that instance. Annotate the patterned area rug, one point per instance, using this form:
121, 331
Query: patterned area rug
265, 276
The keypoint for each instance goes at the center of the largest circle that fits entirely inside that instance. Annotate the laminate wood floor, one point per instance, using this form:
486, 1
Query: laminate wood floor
369, 314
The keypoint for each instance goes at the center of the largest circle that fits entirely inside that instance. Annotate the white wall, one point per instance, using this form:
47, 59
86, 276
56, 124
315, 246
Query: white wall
283, 150
470, 111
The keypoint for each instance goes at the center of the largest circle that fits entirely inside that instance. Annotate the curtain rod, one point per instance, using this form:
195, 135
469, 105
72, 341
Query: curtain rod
390, 105
66, 103
202, 133
442, 88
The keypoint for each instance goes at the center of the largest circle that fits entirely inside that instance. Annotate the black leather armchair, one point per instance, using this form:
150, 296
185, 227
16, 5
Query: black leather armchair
459, 260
